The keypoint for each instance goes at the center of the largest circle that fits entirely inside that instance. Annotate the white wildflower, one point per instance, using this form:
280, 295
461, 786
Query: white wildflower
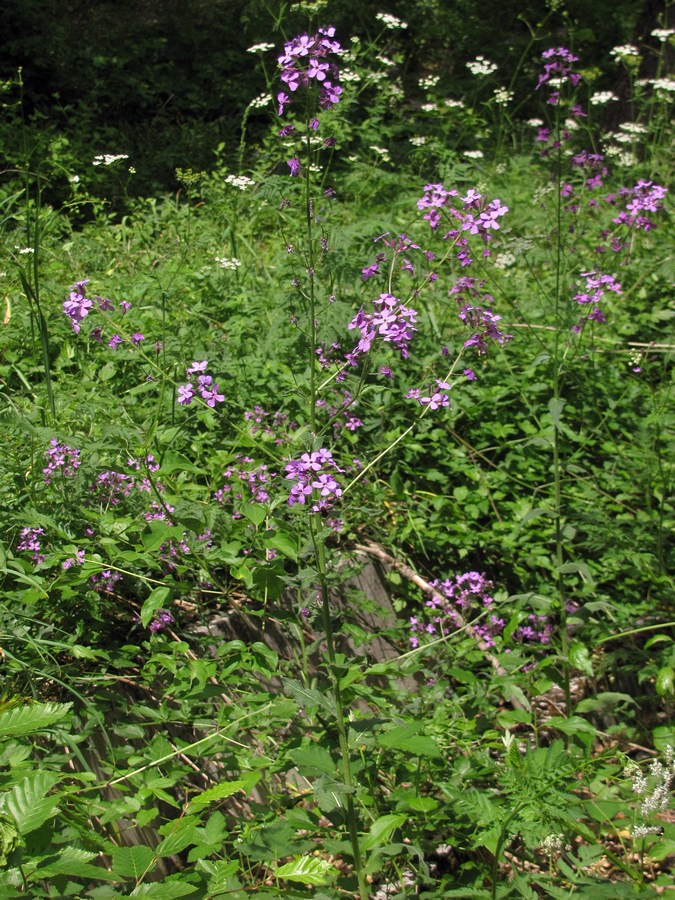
226, 263
24, 251
429, 81
502, 96
602, 97
663, 33
504, 260
390, 21
347, 76
107, 159
389, 63
428, 107
240, 181
381, 151
473, 154
260, 101
74, 179
643, 830
260, 48
481, 66
552, 843
453, 104
663, 84
535, 123
634, 128
624, 50
418, 140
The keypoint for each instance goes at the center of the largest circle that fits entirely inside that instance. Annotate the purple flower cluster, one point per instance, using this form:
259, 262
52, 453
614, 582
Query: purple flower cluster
314, 472
306, 59
205, 385
273, 425
595, 288
78, 306
162, 619
558, 69
434, 398
31, 542
105, 581
480, 319
478, 216
645, 197
392, 322
455, 599
76, 560
60, 458
247, 481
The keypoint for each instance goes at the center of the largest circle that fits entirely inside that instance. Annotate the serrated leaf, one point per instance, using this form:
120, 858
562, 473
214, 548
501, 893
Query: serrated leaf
403, 737
132, 862
308, 697
312, 759
22, 720
307, 870
156, 600
27, 802
164, 890
381, 830
73, 861
219, 792
178, 840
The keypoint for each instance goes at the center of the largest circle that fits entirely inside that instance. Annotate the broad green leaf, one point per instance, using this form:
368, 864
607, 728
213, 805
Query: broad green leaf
219, 792
308, 698
132, 862
283, 542
22, 720
580, 658
381, 830
254, 512
573, 725
555, 407
28, 803
73, 861
312, 759
403, 737
307, 870
156, 600
165, 890
663, 736
665, 681
9, 838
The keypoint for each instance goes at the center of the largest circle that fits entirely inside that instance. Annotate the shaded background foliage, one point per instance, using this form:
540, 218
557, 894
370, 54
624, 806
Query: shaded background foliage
167, 81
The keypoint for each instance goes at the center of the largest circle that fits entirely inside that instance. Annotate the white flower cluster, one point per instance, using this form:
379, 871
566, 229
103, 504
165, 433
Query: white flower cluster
240, 181
620, 156
503, 96
535, 123
634, 128
553, 843
389, 63
481, 66
107, 159
624, 50
602, 97
453, 104
24, 251
429, 81
663, 84
260, 101
473, 154
226, 263
504, 260
656, 797
418, 140
348, 76
428, 107
663, 33
260, 48
381, 151
390, 21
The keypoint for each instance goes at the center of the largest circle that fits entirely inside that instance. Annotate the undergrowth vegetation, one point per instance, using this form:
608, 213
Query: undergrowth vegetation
336, 495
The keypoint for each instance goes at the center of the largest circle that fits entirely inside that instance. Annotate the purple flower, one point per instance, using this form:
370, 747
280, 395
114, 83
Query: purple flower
196, 367
186, 394
305, 59
136, 338
114, 342
30, 541
313, 471
470, 374
60, 458
294, 166
78, 305
212, 396
162, 618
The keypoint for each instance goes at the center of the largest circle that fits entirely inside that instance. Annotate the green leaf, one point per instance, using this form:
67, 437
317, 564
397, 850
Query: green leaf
580, 658
165, 890
254, 512
381, 830
573, 725
9, 838
73, 861
312, 759
219, 792
307, 870
132, 862
28, 803
22, 720
665, 681
156, 600
403, 737
182, 837
284, 542
308, 698
555, 407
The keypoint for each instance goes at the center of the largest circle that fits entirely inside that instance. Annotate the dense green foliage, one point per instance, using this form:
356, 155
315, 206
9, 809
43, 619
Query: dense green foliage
446, 669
